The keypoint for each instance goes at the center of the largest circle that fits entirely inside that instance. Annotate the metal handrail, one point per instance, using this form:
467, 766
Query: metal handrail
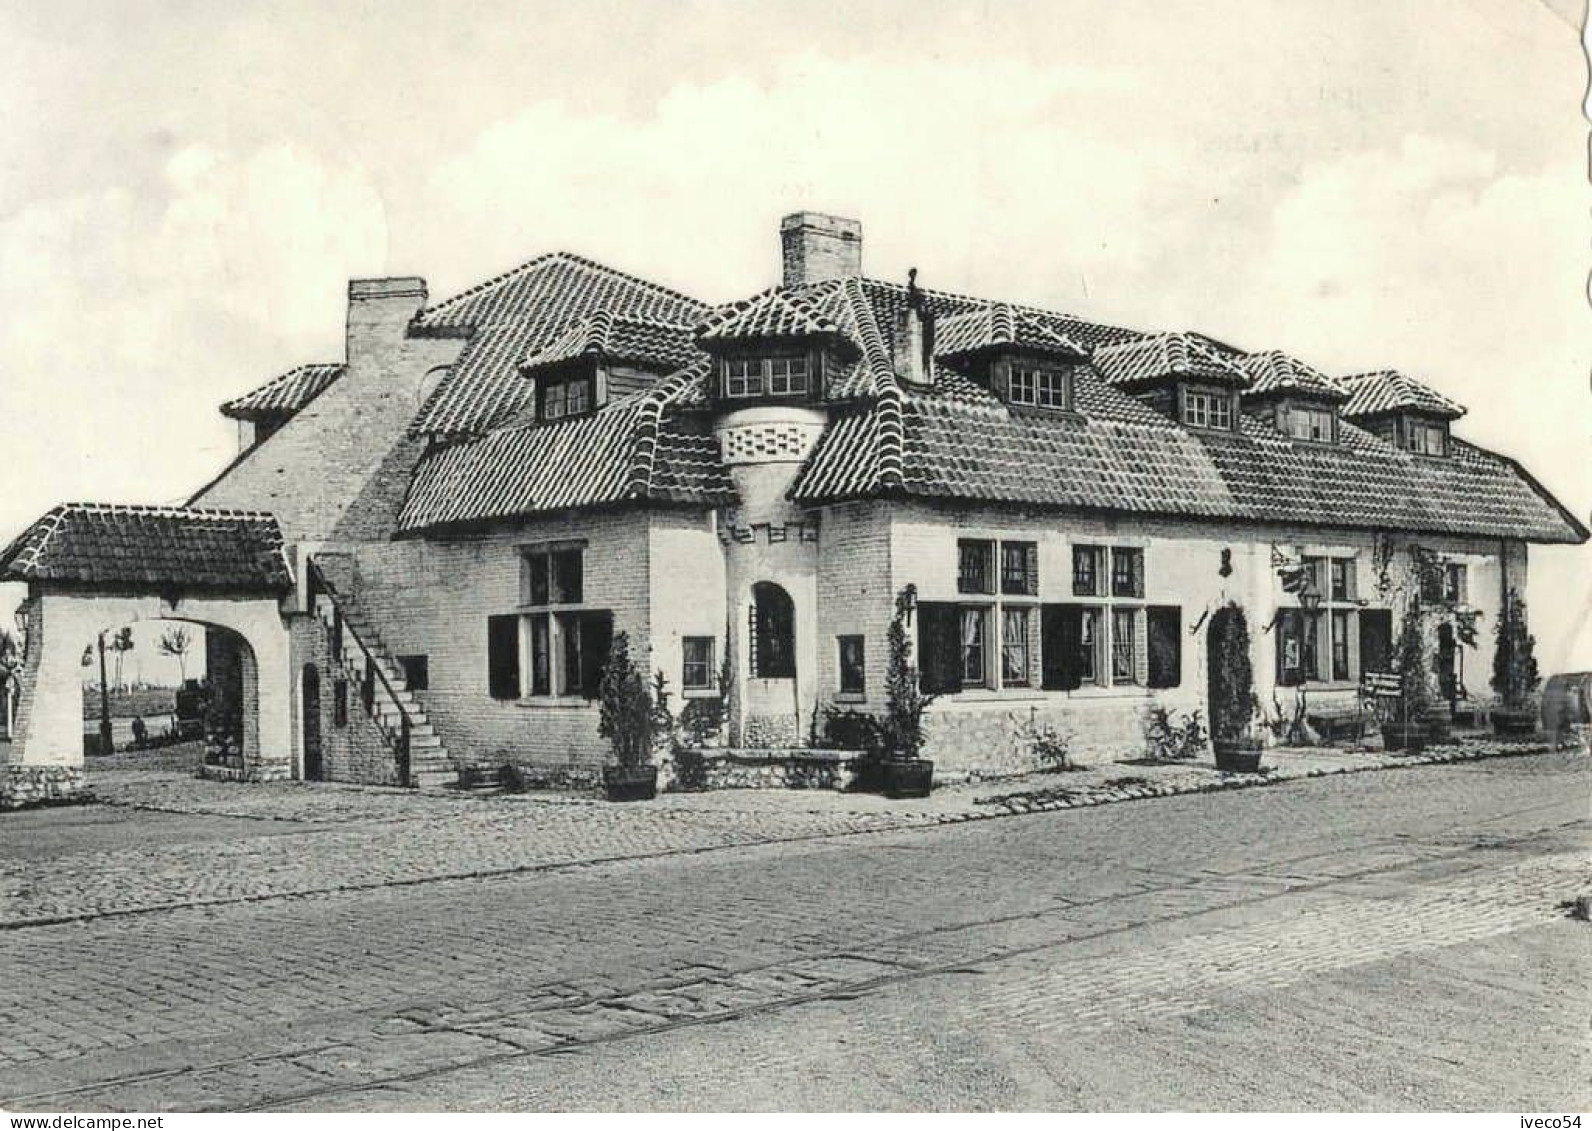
405, 724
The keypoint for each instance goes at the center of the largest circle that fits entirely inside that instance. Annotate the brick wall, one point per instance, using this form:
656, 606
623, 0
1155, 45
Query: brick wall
338, 469
870, 551
354, 752
433, 598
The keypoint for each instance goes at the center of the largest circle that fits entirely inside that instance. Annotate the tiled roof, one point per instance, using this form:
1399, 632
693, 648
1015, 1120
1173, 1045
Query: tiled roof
166, 547
516, 315
1388, 390
617, 337
632, 450
284, 395
999, 325
1277, 372
1132, 364
771, 314
956, 448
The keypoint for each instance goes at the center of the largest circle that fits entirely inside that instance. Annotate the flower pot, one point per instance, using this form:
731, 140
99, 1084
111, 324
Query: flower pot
1514, 720
630, 783
911, 777
1237, 755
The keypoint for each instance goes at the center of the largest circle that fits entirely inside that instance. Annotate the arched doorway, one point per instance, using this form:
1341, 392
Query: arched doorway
310, 704
773, 632
1229, 672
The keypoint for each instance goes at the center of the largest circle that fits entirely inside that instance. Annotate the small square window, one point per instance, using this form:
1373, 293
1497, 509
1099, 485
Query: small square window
1207, 408
696, 673
743, 377
1039, 386
1127, 572
787, 375
853, 668
417, 672
1020, 569
975, 567
1087, 568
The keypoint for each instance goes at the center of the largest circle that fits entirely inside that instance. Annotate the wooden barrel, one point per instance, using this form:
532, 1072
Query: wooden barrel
1566, 702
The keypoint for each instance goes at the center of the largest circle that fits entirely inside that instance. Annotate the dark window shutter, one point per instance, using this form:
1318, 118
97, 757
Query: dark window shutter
1060, 641
596, 635
939, 647
1165, 623
503, 656
1376, 640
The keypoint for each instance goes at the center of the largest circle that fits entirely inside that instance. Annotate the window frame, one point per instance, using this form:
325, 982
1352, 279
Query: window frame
843, 668
566, 385
982, 584
1309, 416
745, 377
1213, 405
1319, 646
553, 622
1096, 555
979, 615
1044, 386
1419, 433
706, 682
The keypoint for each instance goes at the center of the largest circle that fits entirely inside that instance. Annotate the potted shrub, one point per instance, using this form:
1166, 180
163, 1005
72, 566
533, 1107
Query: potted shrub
628, 720
1515, 677
1233, 740
1410, 723
898, 769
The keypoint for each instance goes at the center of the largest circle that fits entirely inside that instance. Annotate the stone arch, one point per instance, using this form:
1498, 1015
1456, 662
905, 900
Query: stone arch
47, 740
773, 632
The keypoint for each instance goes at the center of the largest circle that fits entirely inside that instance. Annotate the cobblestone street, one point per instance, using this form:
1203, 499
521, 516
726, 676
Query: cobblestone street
194, 947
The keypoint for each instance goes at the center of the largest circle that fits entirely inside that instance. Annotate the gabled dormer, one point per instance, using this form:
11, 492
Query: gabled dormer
1013, 354
773, 348
602, 358
1296, 398
1402, 411
1185, 376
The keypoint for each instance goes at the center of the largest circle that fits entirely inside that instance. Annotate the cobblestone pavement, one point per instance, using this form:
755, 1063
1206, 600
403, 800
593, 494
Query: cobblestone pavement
294, 838
504, 990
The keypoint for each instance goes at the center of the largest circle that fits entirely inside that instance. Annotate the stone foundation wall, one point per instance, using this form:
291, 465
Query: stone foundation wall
573, 778
21, 786
256, 772
768, 769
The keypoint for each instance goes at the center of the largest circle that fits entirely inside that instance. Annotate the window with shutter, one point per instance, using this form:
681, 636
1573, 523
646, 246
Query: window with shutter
1165, 629
1376, 640
596, 635
1060, 645
503, 656
939, 647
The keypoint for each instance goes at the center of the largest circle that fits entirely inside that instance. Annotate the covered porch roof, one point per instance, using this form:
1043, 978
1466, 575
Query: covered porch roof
112, 545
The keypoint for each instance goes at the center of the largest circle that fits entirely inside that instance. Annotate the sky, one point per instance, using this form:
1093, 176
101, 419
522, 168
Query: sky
186, 188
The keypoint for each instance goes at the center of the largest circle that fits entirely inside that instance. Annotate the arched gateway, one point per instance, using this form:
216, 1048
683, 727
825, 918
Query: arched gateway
88, 567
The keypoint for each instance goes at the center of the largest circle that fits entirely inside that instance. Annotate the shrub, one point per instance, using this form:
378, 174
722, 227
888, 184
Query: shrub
1415, 691
1173, 739
905, 700
627, 714
1047, 745
852, 730
1233, 691
690, 770
1515, 677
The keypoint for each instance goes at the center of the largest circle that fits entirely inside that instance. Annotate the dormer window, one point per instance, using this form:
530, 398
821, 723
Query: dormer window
565, 396
1425, 437
777, 376
1311, 422
1040, 386
1207, 408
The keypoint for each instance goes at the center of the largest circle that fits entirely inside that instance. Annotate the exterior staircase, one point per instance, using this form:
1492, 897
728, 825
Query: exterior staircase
383, 690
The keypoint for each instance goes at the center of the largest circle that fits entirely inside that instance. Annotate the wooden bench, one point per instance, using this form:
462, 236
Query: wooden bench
1339, 723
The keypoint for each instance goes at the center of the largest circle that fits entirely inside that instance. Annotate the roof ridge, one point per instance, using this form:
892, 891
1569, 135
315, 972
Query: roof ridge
547, 259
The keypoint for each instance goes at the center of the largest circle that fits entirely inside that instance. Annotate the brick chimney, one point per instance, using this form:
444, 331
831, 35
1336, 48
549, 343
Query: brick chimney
816, 247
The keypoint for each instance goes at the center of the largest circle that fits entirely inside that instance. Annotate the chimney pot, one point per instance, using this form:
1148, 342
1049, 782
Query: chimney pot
817, 247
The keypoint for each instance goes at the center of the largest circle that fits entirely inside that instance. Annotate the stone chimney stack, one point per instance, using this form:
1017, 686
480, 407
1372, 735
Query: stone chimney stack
816, 247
